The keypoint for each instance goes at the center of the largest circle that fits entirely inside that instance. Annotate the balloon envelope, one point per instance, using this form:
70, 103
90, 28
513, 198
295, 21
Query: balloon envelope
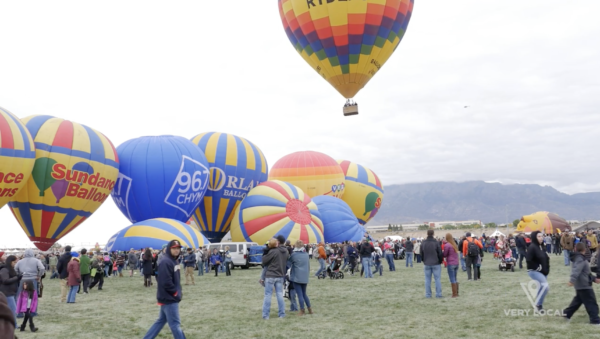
364, 191
543, 221
75, 169
277, 208
346, 42
17, 156
313, 172
236, 166
339, 222
160, 177
155, 233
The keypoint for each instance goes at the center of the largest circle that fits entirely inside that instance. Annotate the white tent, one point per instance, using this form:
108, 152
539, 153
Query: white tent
395, 237
497, 233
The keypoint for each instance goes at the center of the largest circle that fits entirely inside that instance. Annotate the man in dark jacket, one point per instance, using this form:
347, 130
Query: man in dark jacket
168, 293
522, 249
275, 261
63, 274
432, 259
366, 249
409, 247
189, 261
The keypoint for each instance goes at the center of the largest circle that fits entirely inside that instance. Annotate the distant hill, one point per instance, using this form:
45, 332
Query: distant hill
478, 200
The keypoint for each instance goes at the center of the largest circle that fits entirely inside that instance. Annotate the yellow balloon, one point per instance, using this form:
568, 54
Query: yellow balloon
543, 221
364, 191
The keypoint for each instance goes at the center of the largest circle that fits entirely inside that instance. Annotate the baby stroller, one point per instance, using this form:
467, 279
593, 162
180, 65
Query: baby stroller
507, 261
334, 269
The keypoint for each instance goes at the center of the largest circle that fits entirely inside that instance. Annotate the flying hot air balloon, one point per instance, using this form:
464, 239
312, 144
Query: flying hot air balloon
160, 177
346, 42
364, 191
315, 173
75, 170
236, 166
17, 156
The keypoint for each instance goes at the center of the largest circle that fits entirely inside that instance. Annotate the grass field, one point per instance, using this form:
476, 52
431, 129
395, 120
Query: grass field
230, 307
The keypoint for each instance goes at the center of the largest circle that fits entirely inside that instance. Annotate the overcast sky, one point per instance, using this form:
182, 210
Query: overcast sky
529, 72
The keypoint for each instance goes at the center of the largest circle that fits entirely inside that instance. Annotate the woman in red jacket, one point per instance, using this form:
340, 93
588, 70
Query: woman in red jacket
74, 277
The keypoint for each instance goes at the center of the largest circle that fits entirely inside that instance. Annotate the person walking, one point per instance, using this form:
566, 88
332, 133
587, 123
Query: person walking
366, 250
538, 266
189, 262
74, 277
471, 247
168, 293
432, 261
132, 261
593, 240
227, 261
63, 273
521, 248
322, 256
451, 254
97, 272
548, 243
581, 279
84, 269
389, 254
462, 255
53, 260
566, 242
147, 269
9, 284
27, 305
275, 261
215, 261
200, 261
299, 272
409, 248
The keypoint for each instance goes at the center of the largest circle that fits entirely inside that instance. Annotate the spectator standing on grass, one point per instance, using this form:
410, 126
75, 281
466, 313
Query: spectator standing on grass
366, 250
168, 293
299, 273
275, 261
389, 254
27, 305
200, 261
132, 262
322, 255
98, 269
581, 278
548, 243
521, 248
215, 261
63, 274
591, 237
74, 278
566, 242
538, 266
471, 247
189, 261
9, 283
451, 254
84, 270
227, 255
409, 249
147, 269
418, 251
53, 262
432, 260
29, 268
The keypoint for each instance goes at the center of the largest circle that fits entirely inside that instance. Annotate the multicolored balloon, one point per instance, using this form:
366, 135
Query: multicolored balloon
155, 233
74, 172
17, 156
546, 222
315, 173
277, 208
160, 177
339, 222
364, 191
346, 42
236, 166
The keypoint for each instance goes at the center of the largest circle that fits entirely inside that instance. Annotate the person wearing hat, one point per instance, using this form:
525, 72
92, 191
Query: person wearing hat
74, 277
168, 293
189, 262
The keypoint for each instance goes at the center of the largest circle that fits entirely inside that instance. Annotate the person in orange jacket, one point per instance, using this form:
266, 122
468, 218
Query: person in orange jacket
322, 257
471, 256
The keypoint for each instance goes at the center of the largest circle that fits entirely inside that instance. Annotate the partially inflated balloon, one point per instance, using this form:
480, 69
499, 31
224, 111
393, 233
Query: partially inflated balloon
346, 42
75, 169
277, 208
339, 222
364, 191
236, 166
315, 173
160, 177
543, 221
17, 156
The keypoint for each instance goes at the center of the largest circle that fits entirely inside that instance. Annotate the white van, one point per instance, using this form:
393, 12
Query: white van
238, 251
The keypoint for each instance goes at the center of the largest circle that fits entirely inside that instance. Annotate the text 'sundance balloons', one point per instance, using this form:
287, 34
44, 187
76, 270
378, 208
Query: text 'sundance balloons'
315, 173
236, 166
339, 222
364, 191
346, 42
17, 156
277, 208
546, 222
75, 169
155, 233
160, 177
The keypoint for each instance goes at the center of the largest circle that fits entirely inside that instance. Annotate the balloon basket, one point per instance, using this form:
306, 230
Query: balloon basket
350, 108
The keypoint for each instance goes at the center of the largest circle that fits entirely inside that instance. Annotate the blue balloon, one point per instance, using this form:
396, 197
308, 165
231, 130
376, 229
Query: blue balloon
161, 177
339, 222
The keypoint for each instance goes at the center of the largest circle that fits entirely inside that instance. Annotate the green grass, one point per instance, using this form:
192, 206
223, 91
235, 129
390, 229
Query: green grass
230, 307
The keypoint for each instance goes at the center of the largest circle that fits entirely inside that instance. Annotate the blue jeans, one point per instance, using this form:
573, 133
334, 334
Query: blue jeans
418, 256
72, 293
207, 265
390, 261
366, 263
409, 259
462, 262
293, 300
167, 314
345, 263
106, 269
201, 268
567, 255
514, 252
436, 270
271, 283
302, 296
321, 267
452, 272
544, 287
12, 304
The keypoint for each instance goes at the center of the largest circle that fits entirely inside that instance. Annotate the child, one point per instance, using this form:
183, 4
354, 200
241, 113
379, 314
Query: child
27, 304
582, 279
74, 278
378, 266
215, 260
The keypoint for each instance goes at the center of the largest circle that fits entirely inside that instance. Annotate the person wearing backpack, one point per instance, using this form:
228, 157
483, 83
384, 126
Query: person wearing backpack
471, 247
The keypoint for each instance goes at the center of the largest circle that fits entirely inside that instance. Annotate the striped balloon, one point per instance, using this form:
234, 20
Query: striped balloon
236, 166
17, 155
277, 208
155, 233
364, 191
74, 172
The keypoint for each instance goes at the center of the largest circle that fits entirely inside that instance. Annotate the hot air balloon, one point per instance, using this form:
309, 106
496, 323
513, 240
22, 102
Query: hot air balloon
346, 42
17, 155
339, 222
364, 191
543, 221
155, 233
160, 177
277, 208
315, 173
74, 171
236, 166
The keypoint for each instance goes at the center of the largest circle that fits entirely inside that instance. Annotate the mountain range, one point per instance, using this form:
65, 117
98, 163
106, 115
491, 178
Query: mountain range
479, 200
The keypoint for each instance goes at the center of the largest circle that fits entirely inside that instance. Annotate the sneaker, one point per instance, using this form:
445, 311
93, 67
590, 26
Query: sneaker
85, 293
